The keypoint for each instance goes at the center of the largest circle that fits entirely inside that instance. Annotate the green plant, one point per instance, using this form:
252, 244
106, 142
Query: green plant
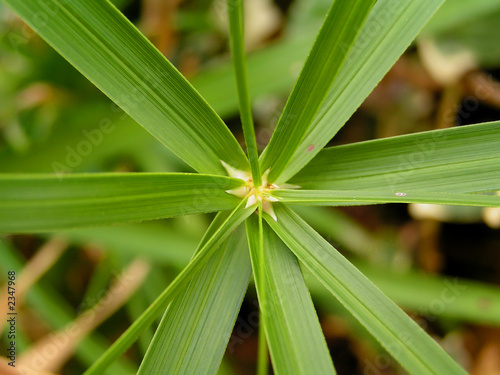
346, 62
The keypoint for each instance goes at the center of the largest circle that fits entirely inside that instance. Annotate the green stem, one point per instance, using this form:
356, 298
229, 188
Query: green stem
262, 361
237, 216
235, 12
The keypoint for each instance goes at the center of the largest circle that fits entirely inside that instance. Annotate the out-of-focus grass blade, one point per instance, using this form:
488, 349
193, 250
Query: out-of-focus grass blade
30, 203
478, 36
428, 295
389, 29
102, 44
327, 56
340, 197
158, 243
400, 335
218, 234
457, 12
456, 160
435, 295
194, 331
57, 313
296, 342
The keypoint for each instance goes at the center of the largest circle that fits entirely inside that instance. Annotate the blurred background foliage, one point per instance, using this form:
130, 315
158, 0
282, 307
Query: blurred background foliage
441, 264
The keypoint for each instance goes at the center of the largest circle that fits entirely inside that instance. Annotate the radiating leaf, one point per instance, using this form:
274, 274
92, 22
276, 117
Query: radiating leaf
327, 56
236, 36
208, 246
255, 236
194, 331
340, 197
389, 29
30, 203
296, 342
400, 335
456, 160
102, 44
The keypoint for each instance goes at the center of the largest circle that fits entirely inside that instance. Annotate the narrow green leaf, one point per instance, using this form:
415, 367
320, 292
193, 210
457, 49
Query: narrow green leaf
296, 342
158, 243
30, 203
104, 46
400, 335
255, 235
340, 197
457, 160
389, 29
236, 27
194, 331
327, 56
206, 250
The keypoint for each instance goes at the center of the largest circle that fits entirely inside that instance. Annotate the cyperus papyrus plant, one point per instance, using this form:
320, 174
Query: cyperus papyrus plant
347, 60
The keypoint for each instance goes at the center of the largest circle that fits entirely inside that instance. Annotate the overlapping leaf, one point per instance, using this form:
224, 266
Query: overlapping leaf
194, 332
327, 56
31, 203
296, 342
353, 197
456, 160
400, 335
389, 29
217, 233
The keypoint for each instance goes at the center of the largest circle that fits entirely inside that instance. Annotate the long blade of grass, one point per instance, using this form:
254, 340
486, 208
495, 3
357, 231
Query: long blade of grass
209, 247
335, 39
400, 335
255, 236
194, 331
340, 197
236, 27
457, 160
296, 342
30, 203
387, 32
104, 46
